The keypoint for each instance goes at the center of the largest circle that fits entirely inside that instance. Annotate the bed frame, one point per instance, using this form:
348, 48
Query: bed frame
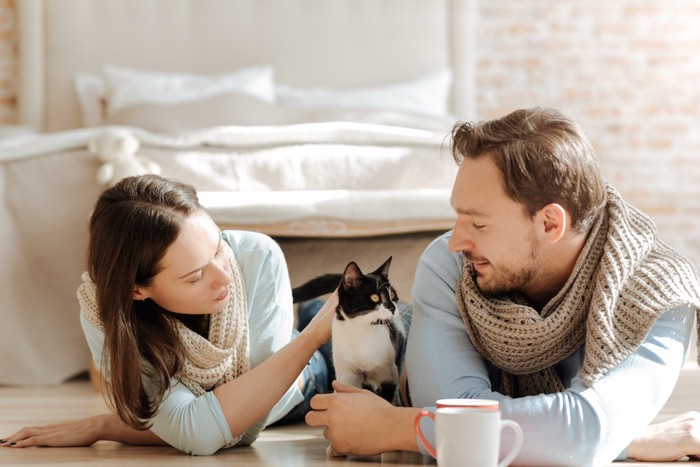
310, 42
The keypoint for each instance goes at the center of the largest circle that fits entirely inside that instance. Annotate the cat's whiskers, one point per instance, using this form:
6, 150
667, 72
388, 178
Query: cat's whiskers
401, 316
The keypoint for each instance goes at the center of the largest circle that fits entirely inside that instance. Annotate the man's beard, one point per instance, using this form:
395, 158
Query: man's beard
505, 279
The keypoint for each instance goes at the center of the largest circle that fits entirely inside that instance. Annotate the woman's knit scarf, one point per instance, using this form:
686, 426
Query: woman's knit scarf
623, 280
209, 362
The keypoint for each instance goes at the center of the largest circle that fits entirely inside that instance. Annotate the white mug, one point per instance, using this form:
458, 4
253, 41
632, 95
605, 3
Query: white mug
484, 404
469, 437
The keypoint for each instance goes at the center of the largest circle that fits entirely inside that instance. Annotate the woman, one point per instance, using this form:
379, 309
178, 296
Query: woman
191, 327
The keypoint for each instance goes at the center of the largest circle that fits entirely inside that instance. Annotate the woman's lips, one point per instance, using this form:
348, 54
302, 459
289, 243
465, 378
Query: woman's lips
222, 296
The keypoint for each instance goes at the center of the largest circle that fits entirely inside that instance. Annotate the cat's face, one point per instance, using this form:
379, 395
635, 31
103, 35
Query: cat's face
367, 296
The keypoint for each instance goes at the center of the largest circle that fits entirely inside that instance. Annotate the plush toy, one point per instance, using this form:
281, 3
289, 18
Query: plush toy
116, 148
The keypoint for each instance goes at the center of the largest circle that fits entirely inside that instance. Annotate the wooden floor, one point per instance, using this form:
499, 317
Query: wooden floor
294, 446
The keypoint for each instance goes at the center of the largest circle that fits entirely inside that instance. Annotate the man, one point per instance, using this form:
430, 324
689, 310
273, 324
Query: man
550, 295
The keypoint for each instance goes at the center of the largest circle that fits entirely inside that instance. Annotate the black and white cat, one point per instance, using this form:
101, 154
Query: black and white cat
368, 331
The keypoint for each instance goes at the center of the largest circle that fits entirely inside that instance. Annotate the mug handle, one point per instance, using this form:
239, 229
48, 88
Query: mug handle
517, 445
416, 424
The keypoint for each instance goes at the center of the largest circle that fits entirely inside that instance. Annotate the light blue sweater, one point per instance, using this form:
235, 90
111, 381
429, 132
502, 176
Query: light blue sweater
197, 425
580, 426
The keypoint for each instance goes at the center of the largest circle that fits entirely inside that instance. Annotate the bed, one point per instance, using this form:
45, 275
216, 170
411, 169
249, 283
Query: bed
322, 123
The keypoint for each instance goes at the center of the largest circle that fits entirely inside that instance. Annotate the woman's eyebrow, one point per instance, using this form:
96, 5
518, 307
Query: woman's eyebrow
191, 272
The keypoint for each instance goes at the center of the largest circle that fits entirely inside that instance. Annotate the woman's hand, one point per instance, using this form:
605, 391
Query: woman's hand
83, 432
360, 422
668, 441
320, 325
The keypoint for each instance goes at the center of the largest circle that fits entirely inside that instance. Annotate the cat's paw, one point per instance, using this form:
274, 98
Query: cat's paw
331, 453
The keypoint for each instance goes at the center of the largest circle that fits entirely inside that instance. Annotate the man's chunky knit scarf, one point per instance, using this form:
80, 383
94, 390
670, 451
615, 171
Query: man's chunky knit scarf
624, 279
209, 362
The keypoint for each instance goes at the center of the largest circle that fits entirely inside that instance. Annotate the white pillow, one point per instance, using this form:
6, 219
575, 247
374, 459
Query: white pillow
427, 94
419, 103
119, 88
128, 87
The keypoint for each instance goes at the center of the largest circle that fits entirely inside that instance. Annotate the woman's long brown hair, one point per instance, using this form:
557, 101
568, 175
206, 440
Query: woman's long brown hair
132, 225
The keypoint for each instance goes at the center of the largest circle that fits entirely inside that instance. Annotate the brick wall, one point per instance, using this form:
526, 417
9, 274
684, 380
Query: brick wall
7, 62
628, 71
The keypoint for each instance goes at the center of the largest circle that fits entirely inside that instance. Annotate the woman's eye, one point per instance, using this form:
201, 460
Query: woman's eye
478, 227
197, 279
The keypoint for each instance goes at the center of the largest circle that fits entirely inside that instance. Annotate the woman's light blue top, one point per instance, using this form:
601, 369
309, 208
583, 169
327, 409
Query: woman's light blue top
196, 425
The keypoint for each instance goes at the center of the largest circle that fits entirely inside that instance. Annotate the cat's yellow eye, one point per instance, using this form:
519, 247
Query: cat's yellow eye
375, 298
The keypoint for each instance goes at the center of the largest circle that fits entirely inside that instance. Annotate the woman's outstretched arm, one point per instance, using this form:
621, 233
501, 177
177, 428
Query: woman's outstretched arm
81, 432
249, 397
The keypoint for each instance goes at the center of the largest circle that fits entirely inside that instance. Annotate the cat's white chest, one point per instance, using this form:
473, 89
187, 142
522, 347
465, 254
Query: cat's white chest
364, 350
363, 353
362, 344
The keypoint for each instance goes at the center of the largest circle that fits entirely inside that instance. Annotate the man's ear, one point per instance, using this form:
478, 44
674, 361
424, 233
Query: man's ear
554, 221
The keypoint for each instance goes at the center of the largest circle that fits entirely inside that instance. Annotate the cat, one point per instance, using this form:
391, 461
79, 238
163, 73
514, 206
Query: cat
368, 333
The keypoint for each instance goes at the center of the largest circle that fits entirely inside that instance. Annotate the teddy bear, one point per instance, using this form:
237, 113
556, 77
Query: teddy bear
117, 148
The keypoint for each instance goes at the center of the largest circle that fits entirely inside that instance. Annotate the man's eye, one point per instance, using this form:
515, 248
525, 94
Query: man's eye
478, 227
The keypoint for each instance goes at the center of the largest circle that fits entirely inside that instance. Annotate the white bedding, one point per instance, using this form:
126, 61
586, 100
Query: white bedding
321, 179
336, 180
378, 175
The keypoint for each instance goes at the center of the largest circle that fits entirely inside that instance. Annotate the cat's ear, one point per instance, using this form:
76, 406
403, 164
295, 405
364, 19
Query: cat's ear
352, 275
383, 270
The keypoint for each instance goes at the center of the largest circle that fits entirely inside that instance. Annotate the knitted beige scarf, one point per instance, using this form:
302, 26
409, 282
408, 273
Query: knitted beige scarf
624, 279
209, 362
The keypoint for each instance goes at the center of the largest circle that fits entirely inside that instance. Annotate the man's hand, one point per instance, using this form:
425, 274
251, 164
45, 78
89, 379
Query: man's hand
668, 441
360, 422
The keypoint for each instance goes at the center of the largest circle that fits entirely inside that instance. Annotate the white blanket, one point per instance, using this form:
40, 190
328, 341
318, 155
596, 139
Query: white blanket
320, 179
